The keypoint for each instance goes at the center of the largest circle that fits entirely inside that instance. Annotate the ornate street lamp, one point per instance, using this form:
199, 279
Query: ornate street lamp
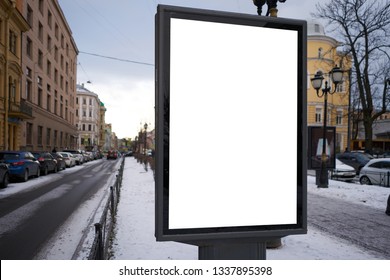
336, 76
272, 4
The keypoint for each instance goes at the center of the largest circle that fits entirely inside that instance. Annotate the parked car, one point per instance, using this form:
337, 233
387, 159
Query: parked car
4, 175
343, 172
355, 159
77, 155
69, 159
61, 164
376, 172
22, 165
129, 154
47, 161
112, 154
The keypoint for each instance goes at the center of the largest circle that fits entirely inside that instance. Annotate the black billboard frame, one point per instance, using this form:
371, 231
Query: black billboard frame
204, 236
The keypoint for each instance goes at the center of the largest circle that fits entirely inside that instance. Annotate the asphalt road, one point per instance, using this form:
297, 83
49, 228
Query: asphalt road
363, 226
28, 219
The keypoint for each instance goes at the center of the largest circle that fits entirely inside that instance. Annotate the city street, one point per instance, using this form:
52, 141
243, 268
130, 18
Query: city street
363, 226
28, 218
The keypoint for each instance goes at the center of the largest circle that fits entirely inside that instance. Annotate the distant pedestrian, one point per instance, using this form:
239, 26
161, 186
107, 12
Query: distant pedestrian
54, 150
388, 206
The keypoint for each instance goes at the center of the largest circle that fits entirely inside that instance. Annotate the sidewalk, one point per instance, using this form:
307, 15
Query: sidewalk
134, 233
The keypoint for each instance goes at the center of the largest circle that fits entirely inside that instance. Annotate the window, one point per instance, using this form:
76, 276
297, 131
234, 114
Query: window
48, 68
40, 6
40, 97
55, 106
39, 80
339, 118
40, 131
48, 105
55, 138
40, 32
316, 28
29, 47
12, 42
56, 31
318, 115
29, 128
40, 59
30, 16
48, 136
56, 53
49, 19
28, 90
49, 47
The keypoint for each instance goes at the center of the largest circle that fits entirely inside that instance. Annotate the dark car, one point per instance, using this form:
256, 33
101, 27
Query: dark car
355, 159
61, 164
47, 161
112, 154
4, 175
21, 165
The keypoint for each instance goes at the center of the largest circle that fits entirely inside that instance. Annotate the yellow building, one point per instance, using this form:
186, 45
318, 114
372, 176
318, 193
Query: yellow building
322, 55
13, 109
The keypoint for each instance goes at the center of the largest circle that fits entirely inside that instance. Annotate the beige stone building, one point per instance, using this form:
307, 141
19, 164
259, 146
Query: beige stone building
49, 80
13, 109
88, 119
322, 55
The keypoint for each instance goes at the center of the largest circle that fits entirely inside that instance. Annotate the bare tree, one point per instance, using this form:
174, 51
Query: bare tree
363, 27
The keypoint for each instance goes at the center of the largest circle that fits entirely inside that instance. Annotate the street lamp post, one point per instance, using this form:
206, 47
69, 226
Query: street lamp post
336, 76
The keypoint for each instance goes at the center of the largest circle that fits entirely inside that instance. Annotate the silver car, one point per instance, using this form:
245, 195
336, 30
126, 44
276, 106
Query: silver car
376, 172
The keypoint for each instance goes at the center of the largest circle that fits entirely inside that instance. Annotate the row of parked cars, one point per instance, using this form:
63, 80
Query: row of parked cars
369, 169
22, 165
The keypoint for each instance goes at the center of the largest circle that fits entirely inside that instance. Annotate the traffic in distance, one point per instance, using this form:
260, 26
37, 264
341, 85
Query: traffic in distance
25, 165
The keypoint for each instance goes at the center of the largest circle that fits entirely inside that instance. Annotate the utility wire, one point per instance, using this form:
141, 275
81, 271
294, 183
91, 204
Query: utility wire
119, 59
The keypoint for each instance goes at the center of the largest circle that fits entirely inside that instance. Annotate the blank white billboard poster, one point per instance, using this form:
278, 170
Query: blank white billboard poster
232, 125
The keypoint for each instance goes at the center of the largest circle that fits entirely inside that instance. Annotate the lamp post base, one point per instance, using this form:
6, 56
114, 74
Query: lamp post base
321, 180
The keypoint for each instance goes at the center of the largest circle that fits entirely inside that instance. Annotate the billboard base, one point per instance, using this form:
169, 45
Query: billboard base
229, 251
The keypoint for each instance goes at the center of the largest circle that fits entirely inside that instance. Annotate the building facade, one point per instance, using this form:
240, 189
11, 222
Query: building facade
88, 108
102, 125
49, 80
322, 55
13, 109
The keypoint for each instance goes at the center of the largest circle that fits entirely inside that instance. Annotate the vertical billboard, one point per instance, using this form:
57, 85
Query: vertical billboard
315, 147
230, 125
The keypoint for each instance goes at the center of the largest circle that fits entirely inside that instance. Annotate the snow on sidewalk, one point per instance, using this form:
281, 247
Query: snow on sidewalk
134, 231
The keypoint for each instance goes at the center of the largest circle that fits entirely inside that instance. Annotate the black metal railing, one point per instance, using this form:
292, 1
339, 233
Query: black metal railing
104, 228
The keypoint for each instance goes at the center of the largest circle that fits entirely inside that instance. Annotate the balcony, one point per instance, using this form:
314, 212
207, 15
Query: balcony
20, 110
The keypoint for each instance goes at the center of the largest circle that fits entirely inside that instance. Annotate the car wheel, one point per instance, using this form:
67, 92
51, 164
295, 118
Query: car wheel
25, 176
5, 182
46, 171
38, 172
365, 180
55, 169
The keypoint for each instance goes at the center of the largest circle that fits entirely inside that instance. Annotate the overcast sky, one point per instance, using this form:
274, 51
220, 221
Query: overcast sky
124, 29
